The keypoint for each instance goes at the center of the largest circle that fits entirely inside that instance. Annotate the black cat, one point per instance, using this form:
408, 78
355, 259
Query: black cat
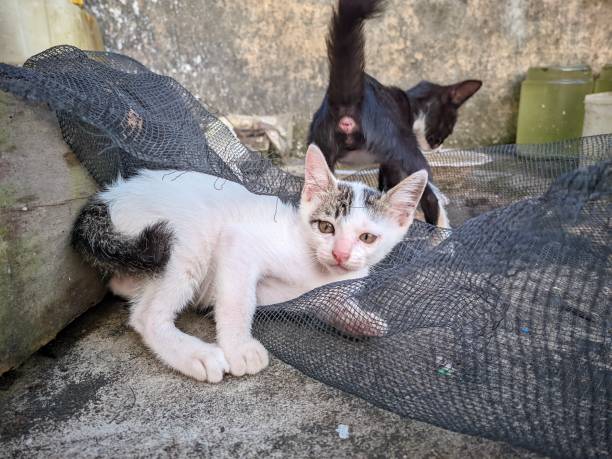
434, 109
362, 122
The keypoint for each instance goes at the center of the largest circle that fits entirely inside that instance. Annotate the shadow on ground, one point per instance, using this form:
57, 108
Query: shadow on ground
97, 392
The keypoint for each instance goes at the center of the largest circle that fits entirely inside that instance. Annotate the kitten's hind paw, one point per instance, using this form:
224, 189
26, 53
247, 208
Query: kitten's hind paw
344, 313
358, 323
249, 357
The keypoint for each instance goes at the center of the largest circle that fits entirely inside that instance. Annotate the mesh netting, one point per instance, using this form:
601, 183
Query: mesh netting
500, 328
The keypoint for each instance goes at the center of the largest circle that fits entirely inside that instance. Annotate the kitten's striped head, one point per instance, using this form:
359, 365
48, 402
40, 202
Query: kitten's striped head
352, 226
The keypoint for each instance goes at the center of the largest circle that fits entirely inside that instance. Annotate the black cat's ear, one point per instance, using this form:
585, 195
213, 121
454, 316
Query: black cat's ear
317, 176
461, 92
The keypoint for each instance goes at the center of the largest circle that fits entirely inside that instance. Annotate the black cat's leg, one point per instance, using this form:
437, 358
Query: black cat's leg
331, 163
430, 206
389, 175
381, 179
442, 221
331, 158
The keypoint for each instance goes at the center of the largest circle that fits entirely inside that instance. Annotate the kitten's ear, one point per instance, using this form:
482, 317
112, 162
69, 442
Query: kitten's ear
461, 92
317, 176
404, 197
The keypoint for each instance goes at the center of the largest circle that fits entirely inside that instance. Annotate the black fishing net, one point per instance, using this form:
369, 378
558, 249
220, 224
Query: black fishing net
500, 328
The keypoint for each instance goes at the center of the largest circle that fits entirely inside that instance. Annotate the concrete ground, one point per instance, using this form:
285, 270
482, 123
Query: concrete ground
97, 392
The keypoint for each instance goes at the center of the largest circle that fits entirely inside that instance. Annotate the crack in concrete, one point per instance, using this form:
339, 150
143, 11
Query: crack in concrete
39, 206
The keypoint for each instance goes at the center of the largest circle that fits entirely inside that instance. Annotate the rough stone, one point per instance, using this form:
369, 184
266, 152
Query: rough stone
43, 284
96, 391
269, 135
267, 57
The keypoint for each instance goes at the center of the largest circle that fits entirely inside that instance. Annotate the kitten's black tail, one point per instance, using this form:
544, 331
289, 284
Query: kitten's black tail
345, 49
100, 244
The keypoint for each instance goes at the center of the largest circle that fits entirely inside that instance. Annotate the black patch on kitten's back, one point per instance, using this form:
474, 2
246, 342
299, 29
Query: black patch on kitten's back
101, 245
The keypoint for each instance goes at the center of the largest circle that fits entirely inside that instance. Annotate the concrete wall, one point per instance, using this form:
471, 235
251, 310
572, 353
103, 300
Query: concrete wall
268, 57
43, 284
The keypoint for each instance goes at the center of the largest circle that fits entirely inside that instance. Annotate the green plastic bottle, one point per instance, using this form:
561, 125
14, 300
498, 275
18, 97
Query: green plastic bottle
567, 72
551, 104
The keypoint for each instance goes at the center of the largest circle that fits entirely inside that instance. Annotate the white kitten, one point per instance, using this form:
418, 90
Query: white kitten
171, 238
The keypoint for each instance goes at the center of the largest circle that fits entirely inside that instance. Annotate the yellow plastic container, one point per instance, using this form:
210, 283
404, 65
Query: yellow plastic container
28, 27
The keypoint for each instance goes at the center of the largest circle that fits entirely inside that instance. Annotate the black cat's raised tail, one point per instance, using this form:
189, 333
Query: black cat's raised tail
346, 52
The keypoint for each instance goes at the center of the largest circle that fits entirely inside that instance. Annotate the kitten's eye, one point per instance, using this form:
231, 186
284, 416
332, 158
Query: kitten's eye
368, 238
326, 227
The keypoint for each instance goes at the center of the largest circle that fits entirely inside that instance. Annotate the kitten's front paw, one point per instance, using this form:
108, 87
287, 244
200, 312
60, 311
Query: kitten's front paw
205, 362
249, 357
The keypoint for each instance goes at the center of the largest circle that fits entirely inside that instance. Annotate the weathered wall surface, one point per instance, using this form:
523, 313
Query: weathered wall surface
268, 56
43, 283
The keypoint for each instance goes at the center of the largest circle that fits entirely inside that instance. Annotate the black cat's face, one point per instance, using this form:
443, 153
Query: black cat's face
434, 108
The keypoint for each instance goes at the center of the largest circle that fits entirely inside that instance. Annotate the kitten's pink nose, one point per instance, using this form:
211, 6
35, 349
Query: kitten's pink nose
340, 256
